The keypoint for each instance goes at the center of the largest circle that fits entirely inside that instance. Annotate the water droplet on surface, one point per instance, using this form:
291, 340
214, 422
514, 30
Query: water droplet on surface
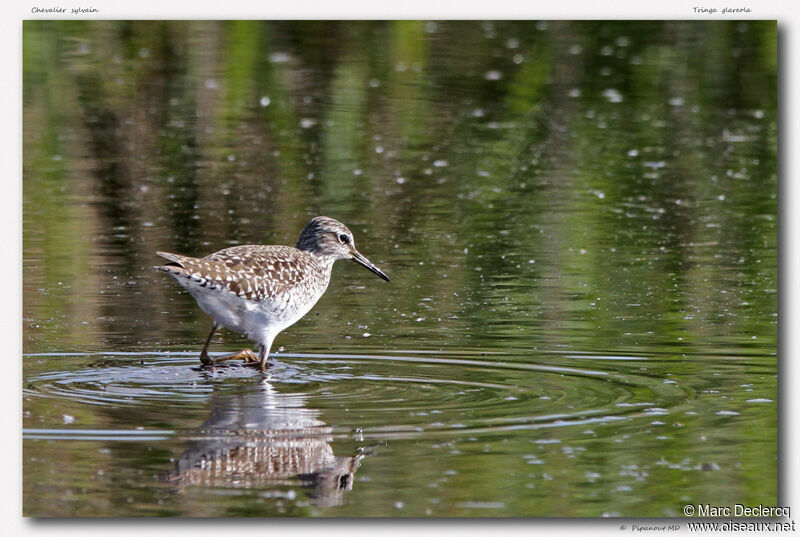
279, 57
612, 95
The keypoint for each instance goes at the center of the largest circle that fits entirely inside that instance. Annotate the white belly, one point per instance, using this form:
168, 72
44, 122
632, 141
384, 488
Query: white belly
260, 320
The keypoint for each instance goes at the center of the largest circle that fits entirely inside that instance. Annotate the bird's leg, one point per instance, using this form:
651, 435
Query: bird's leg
263, 355
205, 359
247, 355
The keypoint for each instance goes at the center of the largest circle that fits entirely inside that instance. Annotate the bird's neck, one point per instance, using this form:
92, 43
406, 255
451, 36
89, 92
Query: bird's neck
324, 261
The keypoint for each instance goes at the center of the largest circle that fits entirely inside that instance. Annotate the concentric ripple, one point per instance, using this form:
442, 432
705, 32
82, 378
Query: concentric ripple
377, 396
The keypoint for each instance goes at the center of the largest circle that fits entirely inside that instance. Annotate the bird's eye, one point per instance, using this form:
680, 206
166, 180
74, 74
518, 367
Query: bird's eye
344, 239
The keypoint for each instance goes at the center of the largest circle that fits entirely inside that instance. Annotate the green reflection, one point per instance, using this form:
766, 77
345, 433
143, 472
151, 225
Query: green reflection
557, 194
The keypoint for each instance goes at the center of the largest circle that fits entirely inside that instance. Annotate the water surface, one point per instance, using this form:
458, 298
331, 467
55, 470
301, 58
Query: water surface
580, 224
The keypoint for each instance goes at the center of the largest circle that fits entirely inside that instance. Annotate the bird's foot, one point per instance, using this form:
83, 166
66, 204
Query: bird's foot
247, 355
261, 364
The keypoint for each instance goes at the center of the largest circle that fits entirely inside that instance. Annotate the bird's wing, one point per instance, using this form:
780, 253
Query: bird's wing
254, 272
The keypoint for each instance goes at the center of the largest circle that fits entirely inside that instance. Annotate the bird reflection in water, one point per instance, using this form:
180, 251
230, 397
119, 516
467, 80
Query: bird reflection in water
263, 439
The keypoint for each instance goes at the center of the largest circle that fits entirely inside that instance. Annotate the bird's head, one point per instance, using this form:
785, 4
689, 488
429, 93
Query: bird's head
326, 237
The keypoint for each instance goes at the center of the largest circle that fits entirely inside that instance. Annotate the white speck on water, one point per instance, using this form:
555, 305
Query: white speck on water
264, 101
366, 334
612, 95
374, 83
398, 505
727, 413
574, 93
400, 180
676, 101
279, 57
307, 123
68, 419
759, 400
211, 84
633, 153
478, 112
231, 157
518, 58
575, 49
357, 171
379, 149
440, 163
655, 164
493, 75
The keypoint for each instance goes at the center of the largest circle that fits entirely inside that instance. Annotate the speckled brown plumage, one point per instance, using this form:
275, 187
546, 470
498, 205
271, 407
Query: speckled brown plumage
260, 290
254, 272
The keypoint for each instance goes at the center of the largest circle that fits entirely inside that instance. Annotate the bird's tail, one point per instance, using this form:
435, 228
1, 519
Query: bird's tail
175, 265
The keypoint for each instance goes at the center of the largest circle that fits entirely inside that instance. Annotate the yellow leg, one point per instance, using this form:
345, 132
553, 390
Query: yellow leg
205, 359
263, 357
247, 355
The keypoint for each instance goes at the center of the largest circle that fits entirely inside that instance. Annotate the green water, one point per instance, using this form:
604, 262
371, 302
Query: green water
580, 224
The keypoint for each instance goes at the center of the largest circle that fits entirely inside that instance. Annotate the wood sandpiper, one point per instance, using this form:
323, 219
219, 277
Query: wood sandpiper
260, 290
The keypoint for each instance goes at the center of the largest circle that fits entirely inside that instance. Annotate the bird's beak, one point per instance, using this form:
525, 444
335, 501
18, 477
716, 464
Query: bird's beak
363, 261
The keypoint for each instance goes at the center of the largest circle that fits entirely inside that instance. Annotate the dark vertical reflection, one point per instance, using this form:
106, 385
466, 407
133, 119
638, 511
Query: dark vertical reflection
177, 142
111, 169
